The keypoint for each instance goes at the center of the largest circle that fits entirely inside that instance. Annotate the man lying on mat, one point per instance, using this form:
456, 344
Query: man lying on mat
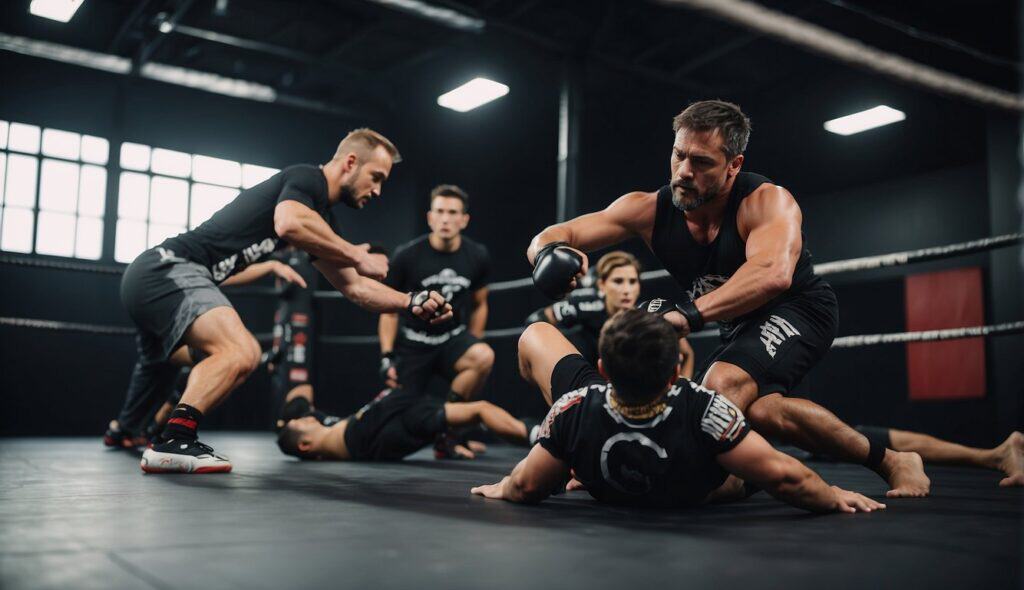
633, 432
395, 424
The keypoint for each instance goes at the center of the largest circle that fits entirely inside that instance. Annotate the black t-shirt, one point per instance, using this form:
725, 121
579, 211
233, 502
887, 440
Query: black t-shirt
668, 460
584, 308
242, 233
455, 275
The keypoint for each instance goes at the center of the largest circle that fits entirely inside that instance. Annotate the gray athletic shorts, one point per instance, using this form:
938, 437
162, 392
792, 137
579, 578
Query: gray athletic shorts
164, 294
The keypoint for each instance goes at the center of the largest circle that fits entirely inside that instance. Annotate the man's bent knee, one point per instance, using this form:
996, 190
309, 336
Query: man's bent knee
479, 357
732, 382
765, 413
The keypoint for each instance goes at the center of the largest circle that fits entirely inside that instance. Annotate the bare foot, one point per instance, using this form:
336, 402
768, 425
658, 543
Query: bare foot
573, 485
905, 473
1011, 460
476, 446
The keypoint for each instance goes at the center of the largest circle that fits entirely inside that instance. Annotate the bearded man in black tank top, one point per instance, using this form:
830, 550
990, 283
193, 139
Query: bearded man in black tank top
733, 242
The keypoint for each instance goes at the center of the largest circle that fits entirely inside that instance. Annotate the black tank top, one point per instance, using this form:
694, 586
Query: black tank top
702, 268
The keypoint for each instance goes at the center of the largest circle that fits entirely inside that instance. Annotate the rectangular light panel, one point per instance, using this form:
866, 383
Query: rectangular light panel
58, 10
476, 92
864, 120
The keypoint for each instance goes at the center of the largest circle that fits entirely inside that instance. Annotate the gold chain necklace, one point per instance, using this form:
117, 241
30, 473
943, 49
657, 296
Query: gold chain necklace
639, 412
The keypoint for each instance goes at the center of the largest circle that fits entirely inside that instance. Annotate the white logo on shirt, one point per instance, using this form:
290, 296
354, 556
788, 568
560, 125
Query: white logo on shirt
450, 282
705, 284
250, 254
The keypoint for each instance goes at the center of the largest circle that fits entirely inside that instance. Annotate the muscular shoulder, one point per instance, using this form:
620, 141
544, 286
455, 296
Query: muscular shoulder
768, 202
303, 176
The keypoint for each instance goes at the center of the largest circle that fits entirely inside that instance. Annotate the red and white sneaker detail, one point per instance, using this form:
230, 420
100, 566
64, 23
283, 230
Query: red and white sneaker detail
183, 456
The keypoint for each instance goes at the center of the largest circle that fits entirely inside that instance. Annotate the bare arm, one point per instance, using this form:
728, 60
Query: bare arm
387, 330
789, 480
478, 317
532, 480
688, 361
630, 215
303, 228
772, 219
378, 297
257, 271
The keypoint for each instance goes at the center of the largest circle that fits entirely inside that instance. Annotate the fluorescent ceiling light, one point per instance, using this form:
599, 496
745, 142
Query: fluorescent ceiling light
864, 120
58, 10
472, 94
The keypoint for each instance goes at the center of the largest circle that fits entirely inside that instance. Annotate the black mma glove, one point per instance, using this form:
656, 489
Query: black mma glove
418, 298
687, 308
554, 269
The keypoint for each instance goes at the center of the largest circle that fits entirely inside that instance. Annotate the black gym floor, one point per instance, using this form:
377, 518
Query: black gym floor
74, 515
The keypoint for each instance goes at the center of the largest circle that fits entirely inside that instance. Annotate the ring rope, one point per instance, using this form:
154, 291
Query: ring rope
842, 342
929, 335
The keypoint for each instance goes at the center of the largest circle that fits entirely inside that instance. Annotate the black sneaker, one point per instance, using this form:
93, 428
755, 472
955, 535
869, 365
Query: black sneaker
183, 456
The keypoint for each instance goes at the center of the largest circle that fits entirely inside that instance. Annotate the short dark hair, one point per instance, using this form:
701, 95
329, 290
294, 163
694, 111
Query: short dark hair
639, 351
288, 441
453, 191
725, 117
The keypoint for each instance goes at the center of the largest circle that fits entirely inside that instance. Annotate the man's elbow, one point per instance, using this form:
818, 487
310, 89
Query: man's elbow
785, 477
531, 492
286, 225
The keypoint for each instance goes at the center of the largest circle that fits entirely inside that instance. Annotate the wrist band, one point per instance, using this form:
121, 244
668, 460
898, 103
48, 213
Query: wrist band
692, 315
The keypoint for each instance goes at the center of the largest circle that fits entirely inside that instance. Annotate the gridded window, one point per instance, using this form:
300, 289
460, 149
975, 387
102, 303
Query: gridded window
162, 193
53, 187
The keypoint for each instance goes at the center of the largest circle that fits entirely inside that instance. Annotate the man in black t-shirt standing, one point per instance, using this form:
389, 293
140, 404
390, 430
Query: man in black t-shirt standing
632, 432
172, 291
444, 260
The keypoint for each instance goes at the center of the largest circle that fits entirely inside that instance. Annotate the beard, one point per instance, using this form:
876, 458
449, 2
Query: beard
698, 200
348, 196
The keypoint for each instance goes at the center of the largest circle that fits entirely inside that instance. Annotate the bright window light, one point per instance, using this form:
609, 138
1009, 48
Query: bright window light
58, 10
133, 198
62, 144
95, 150
171, 162
134, 156
16, 235
864, 120
21, 181
3, 134
24, 138
89, 238
472, 94
253, 175
56, 235
92, 191
3, 175
159, 232
130, 241
216, 171
207, 200
58, 189
168, 201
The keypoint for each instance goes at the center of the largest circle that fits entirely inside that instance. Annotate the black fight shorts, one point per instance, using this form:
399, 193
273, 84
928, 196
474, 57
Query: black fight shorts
779, 345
